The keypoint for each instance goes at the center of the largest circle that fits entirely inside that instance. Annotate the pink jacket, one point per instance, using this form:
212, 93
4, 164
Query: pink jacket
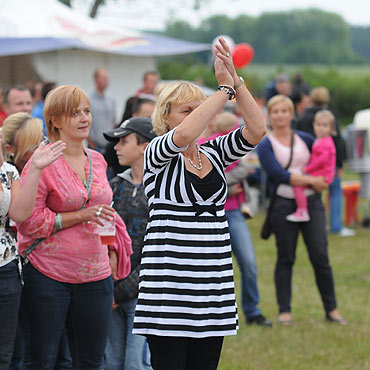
323, 159
74, 254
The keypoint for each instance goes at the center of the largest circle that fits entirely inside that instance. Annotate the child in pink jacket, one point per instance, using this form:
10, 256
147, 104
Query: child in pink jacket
322, 162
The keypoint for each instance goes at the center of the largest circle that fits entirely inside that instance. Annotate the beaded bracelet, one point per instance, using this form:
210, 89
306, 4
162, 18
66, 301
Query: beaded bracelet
58, 222
229, 90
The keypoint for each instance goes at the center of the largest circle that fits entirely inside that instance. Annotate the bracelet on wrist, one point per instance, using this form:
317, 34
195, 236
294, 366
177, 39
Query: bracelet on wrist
58, 222
229, 90
241, 82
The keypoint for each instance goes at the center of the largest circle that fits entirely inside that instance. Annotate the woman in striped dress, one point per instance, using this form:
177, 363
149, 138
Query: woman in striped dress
186, 302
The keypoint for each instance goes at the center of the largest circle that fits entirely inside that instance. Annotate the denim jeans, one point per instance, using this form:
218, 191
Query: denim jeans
242, 247
336, 199
10, 295
124, 350
84, 309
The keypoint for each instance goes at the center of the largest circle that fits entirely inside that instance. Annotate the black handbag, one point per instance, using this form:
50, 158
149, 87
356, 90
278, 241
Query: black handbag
266, 229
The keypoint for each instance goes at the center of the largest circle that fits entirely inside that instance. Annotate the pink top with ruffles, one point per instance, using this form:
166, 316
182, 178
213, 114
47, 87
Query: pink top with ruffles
74, 254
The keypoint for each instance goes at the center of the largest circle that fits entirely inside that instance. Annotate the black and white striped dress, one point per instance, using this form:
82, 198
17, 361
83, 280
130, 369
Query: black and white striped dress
186, 279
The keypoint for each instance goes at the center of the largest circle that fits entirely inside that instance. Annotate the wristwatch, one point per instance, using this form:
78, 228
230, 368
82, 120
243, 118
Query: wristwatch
241, 82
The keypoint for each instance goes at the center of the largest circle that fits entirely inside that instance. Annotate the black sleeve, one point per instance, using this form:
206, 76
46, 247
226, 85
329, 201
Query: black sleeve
128, 287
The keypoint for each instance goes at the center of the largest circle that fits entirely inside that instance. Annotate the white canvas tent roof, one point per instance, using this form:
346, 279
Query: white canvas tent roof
46, 40
29, 26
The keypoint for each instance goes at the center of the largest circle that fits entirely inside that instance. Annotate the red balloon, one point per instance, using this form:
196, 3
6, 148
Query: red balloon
242, 55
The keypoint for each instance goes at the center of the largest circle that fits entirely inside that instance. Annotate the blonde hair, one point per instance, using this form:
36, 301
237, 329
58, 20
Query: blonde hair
59, 105
175, 93
225, 122
280, 99
320, 96
22, 132
329, 116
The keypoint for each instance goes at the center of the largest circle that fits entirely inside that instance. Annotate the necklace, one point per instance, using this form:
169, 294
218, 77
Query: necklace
200, 167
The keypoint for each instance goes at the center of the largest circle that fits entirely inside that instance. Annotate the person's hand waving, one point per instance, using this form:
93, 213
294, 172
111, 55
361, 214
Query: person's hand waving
45, 155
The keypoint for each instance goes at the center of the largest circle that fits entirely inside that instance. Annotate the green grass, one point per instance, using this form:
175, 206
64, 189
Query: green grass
310, 343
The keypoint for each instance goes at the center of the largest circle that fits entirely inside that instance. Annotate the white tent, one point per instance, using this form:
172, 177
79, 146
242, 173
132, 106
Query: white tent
46, 40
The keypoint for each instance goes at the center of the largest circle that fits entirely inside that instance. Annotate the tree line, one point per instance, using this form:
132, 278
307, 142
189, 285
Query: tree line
290, 37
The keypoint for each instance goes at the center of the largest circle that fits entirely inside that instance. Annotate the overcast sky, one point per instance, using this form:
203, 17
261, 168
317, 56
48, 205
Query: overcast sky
153, 14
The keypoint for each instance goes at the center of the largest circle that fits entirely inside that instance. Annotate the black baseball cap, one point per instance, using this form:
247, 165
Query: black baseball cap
139, 125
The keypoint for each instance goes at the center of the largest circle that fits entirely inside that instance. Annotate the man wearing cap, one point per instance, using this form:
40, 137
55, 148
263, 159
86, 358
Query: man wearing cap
125, 350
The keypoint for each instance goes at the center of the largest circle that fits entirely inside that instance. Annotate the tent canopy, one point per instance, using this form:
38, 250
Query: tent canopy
47, 25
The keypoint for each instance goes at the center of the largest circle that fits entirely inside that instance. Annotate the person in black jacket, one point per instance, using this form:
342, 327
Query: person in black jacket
125, 350
320, 99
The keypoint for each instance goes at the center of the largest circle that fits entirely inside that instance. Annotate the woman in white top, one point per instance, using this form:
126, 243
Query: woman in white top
16, 202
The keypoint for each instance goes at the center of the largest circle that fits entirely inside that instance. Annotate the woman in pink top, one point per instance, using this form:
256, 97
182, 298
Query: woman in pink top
68, 281
322, 161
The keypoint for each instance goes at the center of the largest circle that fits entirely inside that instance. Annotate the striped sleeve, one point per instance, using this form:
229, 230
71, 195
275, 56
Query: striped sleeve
160, 151
231, 147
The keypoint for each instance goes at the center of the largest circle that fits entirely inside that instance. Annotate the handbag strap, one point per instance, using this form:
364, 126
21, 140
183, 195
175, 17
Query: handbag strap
36, 242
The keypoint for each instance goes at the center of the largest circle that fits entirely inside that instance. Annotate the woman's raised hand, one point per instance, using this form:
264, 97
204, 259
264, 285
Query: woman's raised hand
224, 65
45, 155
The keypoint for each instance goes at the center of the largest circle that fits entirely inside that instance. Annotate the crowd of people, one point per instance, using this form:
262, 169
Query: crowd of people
172, 179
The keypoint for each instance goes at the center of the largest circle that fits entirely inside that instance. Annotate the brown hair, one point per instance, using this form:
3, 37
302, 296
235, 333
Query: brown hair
175, 93
225, 122
320, 96
59, 105
22, 132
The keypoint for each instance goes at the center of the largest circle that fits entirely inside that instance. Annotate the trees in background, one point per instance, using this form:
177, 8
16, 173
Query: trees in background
291, 37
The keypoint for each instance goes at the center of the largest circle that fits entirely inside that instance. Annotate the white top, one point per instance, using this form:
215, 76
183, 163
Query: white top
8, 246
301, 157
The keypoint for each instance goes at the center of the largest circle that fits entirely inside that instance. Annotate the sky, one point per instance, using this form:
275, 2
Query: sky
153, 14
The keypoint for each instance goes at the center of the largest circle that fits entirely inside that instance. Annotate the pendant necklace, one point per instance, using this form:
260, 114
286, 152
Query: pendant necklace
200, 167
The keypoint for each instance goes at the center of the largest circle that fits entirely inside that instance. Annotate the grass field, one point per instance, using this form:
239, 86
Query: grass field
310, 343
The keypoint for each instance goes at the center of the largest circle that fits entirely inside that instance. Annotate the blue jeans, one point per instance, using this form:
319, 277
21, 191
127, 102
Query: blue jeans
243, 250
124, 350
336, 197
84, 309
10, 296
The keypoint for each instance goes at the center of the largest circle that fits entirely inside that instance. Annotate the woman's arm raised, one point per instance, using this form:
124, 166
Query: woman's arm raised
23, 197
255, 125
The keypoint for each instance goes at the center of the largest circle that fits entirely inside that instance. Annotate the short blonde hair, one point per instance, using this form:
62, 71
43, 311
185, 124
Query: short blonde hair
22, 132
59, 105
225, 122
280, 99
320, 96
326, 114
175, 93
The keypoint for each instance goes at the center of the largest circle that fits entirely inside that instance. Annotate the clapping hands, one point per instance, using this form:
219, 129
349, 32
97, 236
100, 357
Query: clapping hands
224, 65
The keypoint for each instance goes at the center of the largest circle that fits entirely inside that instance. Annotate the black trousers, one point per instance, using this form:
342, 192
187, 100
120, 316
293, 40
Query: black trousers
314, 236
179, 353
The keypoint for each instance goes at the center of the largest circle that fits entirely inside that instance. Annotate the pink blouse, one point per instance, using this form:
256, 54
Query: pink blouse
75, 254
